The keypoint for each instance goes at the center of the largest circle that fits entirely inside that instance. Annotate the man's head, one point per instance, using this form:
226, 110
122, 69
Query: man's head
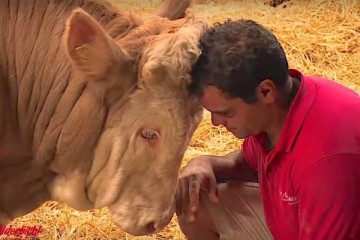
239, 75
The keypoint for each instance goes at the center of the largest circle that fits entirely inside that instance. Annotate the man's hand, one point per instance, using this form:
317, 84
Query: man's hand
197, 176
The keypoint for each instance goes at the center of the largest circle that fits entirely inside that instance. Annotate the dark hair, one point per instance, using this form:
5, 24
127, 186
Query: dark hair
236, 57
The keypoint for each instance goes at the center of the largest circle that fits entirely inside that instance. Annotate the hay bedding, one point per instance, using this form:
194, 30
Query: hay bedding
320, 37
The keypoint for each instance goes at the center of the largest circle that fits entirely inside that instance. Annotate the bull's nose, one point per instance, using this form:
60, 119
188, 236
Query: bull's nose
142, 229
144, 224
150, 228
153, 227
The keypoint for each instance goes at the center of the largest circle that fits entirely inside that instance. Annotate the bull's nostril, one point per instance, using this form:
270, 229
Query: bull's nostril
150, 227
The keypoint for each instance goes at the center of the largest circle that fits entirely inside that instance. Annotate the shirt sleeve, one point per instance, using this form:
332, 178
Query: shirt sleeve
329, 199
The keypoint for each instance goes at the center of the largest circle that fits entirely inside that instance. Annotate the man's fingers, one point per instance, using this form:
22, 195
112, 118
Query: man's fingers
179, 198
185, 196
213, 191
194, 189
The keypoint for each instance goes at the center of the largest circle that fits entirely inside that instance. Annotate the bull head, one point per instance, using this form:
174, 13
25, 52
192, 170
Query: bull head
133, 122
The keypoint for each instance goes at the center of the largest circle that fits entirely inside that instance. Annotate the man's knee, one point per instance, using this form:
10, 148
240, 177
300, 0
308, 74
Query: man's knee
238, 215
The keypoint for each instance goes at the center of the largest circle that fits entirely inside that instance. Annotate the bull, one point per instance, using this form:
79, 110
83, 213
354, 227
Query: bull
95, 109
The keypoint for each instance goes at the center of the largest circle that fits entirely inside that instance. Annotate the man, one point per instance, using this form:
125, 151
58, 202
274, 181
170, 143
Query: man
302, 146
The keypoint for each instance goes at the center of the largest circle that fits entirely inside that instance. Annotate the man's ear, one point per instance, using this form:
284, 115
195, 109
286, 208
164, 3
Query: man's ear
91, 49
266, 91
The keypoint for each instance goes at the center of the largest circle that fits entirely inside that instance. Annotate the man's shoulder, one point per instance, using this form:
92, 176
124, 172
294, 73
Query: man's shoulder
324, 83
329, 160
345, 164
331, 126
327, 86
332, 122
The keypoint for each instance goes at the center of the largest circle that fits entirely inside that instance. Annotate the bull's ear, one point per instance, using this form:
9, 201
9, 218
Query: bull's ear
88, 45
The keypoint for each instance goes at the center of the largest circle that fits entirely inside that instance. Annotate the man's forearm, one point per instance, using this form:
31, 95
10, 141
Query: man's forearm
232, 167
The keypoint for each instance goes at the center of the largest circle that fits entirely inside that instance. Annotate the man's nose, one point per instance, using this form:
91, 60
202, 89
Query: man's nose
217, 120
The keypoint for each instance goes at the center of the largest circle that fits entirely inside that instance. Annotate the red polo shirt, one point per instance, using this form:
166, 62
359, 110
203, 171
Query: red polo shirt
310, 181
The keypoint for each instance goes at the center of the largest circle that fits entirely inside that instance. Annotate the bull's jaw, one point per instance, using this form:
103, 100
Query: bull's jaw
105, 178
70, 189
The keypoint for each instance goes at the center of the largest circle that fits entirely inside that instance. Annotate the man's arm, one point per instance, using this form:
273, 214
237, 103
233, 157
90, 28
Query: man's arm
233, 167
329, 199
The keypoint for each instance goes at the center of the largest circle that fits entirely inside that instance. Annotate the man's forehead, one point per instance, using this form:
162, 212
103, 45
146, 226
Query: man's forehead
210, 91
214, 100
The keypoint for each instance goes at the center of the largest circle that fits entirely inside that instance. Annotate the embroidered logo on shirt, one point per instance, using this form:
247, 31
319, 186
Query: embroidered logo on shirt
291, 200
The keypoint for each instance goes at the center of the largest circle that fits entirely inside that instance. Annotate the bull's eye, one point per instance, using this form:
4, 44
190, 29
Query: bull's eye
150, 134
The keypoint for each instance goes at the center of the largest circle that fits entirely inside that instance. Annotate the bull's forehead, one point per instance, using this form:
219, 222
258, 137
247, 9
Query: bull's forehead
174, 46
172, 54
